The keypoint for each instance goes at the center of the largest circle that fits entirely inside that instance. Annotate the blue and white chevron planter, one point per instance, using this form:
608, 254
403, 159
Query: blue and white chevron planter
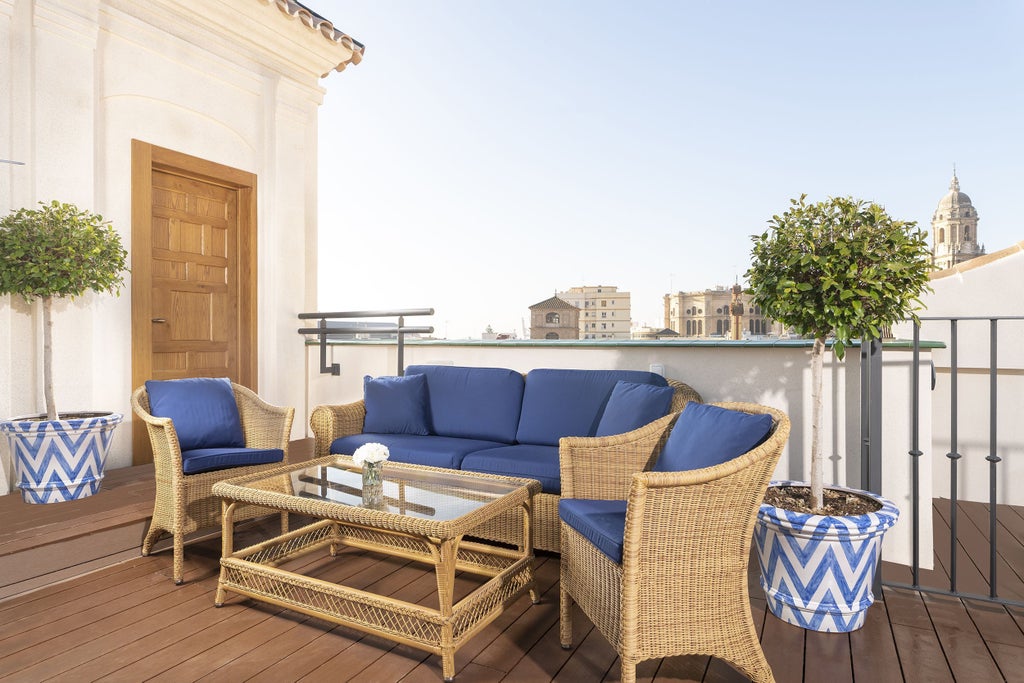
59, 460
817, 570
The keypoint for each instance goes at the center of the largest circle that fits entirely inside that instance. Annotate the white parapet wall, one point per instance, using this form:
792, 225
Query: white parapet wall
773, 374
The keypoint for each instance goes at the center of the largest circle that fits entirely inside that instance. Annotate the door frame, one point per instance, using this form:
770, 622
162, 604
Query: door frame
147, 158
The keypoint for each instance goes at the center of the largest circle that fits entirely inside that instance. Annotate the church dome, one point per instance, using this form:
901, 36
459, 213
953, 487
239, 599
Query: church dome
954, 198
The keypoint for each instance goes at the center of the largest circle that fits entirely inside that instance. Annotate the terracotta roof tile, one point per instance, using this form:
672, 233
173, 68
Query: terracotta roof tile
554, 302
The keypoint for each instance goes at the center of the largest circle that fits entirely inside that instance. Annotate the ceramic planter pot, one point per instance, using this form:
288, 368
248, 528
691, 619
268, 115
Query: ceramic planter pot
60, 460
817, 570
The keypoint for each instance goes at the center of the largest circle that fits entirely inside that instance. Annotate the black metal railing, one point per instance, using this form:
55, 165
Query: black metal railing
338, 323
954, 457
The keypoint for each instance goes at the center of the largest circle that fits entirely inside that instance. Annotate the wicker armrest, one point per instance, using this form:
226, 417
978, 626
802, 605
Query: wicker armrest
331, 422
264, 424
602, 468
684, 394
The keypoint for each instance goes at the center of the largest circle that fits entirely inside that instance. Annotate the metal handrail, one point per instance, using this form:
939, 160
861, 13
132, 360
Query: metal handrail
954, 457
324, 329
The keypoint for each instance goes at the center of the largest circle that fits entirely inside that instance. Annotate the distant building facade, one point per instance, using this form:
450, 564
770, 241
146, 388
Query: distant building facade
605, 312
711, 314
554, 318
955, 229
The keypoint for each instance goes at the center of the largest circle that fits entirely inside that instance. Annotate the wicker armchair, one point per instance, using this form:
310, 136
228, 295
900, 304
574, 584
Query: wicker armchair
184, 502
681, 587
330, 422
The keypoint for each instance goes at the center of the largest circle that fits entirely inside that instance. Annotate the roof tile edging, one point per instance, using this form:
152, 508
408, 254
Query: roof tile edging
314, 22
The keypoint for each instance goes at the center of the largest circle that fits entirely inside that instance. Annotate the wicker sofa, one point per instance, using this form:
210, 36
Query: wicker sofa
499, 421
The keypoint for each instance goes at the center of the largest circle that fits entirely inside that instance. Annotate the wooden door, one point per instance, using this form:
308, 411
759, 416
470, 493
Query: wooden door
194, 293
193, 272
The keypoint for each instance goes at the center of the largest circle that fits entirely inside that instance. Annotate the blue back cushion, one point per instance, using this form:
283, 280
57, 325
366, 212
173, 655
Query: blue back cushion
203, 411
472, 403
706, 435
560, 403
396, 405
632, 405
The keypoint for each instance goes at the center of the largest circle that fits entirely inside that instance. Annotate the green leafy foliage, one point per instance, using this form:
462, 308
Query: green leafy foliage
839, 267
59, 250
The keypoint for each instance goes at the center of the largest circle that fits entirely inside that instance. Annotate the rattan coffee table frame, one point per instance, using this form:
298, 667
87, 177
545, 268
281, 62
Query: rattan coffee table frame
254, 572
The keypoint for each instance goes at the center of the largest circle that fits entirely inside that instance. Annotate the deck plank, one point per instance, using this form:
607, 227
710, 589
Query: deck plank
964, 648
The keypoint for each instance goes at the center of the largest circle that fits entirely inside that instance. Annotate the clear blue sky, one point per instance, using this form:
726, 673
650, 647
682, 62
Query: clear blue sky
486, 154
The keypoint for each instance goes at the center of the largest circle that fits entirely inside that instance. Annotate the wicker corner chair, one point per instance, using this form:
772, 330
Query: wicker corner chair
681, 587
184, 502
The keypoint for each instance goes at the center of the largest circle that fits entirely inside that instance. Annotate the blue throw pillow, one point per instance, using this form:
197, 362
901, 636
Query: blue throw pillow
706, 435
203, 411
396, 405
633, 405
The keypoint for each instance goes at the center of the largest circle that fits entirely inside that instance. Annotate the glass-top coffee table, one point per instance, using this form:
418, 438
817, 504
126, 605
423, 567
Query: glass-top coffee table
424, 516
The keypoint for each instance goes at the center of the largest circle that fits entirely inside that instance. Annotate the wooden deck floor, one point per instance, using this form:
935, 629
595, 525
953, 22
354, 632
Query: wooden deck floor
125, 620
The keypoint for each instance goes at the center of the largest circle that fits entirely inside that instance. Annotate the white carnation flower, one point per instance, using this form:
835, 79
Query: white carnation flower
370, 452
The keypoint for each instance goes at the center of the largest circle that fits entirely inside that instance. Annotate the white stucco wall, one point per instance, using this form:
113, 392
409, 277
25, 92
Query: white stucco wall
986, 286
236, 82
777, 376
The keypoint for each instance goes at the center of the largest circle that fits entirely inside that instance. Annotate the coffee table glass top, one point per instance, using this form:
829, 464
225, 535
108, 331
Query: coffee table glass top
425, 494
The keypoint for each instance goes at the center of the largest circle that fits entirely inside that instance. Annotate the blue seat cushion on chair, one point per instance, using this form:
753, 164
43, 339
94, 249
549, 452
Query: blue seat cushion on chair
436, 451
203, 410
473, 403
602, 522
707, 435
524, 460
633, 405
560, 403
210, 459
396, 405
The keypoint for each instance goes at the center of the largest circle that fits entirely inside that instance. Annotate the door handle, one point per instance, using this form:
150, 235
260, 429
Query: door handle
159, 320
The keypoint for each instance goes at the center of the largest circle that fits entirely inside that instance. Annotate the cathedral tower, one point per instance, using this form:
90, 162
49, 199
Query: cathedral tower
955, 229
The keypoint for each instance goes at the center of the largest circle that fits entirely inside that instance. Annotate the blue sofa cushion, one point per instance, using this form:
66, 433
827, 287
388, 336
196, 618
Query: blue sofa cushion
396, 405
210, 459
632, 405
560, 403
602, 522
472, 403
523, 460
203, 411
437, 451
707, 435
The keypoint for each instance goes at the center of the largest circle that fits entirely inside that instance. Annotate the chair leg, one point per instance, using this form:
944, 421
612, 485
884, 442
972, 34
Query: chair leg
757, 670
151, 537
564, 617
179, 559
628, 670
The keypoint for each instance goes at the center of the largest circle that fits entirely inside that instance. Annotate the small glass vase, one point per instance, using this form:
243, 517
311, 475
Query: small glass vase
373, 485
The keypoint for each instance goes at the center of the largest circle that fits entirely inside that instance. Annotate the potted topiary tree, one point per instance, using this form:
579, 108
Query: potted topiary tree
52, 252
838, 269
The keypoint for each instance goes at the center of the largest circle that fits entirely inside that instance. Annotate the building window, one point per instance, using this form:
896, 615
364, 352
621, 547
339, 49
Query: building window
552, 319
604, 314
604, 303
942, 234
551, 335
